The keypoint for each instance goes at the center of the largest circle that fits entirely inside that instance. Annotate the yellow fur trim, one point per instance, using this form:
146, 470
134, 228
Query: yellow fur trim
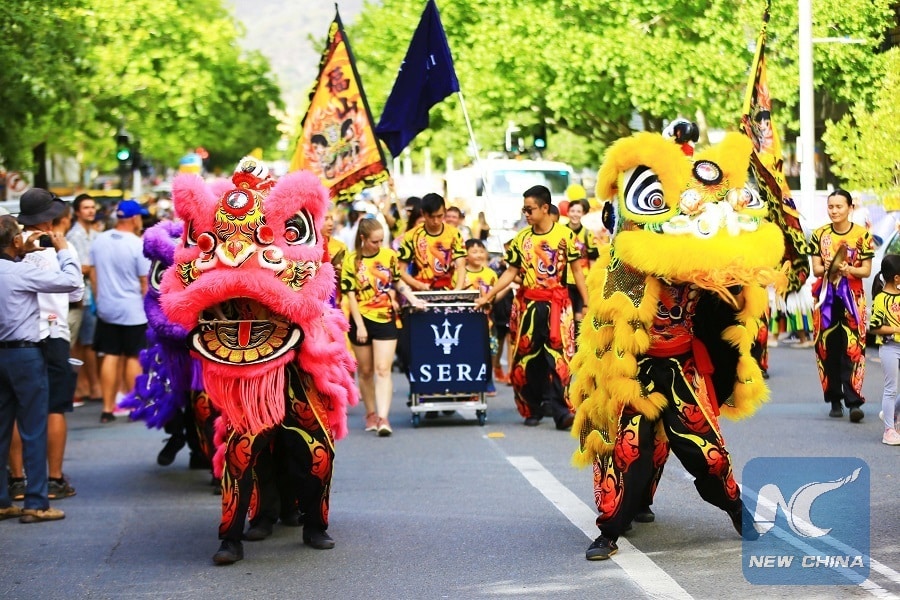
732, 155
683, 257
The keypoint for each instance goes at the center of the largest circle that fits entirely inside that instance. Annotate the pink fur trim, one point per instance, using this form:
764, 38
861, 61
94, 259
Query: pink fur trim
250, 398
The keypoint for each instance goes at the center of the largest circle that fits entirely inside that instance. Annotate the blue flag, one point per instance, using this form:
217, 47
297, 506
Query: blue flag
426, 77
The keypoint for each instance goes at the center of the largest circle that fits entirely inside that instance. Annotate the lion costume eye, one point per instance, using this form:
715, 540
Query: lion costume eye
299, 230
190, 238
157, 269
746, 198
644, 192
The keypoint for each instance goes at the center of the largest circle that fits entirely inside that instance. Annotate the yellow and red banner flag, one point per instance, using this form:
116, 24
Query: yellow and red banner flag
337, 141
767, 163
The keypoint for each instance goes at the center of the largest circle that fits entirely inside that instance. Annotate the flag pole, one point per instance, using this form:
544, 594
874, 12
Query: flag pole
487, 184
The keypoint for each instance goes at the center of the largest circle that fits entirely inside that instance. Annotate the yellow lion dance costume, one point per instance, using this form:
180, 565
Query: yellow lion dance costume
674, 309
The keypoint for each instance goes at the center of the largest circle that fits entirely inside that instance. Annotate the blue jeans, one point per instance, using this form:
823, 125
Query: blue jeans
24, 398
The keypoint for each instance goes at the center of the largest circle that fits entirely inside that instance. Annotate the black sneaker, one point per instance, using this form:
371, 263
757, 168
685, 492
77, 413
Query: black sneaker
601, 549
170, 450
16, 488
229, 553
532, 422
291, 519
856, 414
739, 516
57, 489
836, 411
317, 538
645, 515
566, 422
259, 531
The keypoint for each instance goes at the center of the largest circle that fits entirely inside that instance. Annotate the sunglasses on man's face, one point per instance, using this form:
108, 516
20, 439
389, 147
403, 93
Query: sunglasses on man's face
527, 210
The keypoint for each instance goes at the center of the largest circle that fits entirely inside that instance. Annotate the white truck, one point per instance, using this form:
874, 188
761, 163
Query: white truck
495, 186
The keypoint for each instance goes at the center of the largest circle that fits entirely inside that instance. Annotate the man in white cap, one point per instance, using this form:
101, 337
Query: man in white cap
119, 281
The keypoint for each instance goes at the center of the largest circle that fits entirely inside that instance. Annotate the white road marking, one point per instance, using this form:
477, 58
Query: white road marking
637, 565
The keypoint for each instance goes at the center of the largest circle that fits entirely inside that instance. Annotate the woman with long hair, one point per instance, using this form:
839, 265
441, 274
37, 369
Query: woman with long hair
371, 280
841, 257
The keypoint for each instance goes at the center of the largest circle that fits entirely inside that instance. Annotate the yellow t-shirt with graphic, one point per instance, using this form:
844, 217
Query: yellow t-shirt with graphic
825, 242
587, 249
885, 312
482, 279
543, 259
371, 280
431, 257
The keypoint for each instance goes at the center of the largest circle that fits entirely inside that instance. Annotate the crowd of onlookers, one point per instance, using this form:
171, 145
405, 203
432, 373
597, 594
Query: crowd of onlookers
71, 331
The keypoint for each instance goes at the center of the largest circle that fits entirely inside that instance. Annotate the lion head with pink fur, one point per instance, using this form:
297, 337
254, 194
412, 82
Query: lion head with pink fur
250, 284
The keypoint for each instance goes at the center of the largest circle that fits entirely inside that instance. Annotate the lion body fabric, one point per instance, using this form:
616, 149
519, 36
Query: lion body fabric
674, 308
251, 285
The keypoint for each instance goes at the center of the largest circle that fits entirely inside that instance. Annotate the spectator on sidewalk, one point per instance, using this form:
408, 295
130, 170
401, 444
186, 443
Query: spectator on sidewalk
37, 216
119, 281
83, 318
24, 391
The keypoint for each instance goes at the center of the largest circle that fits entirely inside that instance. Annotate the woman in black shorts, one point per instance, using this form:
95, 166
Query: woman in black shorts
370, 278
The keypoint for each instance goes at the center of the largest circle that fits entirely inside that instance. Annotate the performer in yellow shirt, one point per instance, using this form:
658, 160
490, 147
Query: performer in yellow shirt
370, 279
430, 252
544, 336
841, 257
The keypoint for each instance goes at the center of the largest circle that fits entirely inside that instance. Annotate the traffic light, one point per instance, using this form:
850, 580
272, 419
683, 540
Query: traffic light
123, 148
539, 136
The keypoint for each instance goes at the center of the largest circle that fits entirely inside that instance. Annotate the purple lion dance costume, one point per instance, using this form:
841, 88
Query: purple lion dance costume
164, 386
169, 393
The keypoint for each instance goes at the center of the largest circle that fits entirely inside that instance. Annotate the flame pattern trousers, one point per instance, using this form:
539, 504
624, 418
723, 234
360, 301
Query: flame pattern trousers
625, 480
302, 448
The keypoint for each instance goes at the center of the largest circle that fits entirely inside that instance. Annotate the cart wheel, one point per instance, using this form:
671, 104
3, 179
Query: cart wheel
416, 419
482, 417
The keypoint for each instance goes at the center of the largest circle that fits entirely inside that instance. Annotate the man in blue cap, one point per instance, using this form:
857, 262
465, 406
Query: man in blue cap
119, 281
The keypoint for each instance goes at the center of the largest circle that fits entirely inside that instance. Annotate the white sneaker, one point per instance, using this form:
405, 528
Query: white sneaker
891, 437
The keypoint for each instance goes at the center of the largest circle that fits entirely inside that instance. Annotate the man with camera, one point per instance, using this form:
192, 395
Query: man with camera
40, 214
24, 388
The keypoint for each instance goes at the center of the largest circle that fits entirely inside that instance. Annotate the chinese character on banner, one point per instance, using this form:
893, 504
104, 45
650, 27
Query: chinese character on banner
337, 141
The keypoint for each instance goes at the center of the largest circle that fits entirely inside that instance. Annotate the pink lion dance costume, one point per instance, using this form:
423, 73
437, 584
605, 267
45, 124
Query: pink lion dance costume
250, 285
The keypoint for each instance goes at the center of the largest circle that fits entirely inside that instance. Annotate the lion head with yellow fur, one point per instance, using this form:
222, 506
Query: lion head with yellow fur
674, 219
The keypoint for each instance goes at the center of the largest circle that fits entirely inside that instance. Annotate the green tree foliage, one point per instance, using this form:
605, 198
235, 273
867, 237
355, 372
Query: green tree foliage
41, 60
865, 144
591, 68
173, 73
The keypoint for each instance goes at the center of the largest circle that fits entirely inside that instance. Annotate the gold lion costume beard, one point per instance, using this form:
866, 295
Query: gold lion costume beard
674, 309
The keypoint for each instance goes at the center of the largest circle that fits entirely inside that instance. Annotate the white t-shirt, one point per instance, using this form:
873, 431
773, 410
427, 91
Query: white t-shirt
54, 320
119, 262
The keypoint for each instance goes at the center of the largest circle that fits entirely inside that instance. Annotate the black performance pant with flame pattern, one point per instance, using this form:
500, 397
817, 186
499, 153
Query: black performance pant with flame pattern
302, 448
626, 479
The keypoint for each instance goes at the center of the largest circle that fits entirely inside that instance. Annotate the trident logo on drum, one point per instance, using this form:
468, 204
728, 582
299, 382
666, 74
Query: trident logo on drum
446, 340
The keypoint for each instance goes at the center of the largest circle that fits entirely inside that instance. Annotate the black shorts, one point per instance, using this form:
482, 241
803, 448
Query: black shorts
376, 331
119, 340
60, 377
